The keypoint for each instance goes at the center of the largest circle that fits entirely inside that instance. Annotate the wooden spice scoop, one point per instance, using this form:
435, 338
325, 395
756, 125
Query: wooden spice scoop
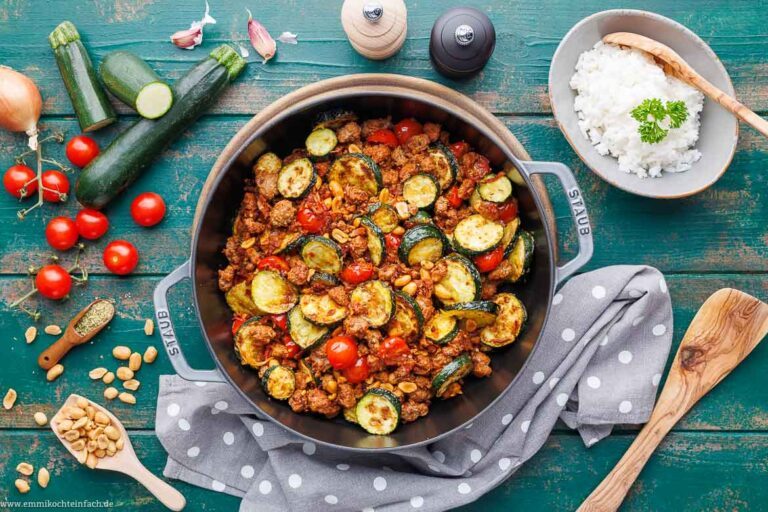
124, 461
71, 338
728, 326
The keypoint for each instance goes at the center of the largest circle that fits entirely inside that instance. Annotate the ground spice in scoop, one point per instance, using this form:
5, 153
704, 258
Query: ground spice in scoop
97, 315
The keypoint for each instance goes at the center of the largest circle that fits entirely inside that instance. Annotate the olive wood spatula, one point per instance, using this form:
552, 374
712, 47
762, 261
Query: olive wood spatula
728, 326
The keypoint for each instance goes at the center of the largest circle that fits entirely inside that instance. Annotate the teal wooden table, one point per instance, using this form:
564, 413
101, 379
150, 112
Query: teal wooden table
715, 459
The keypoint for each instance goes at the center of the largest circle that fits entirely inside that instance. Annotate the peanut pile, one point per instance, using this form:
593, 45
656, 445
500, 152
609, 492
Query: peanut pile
90, 433
125, 373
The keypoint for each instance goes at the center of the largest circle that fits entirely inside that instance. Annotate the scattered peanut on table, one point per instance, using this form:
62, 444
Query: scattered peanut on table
25, 468
9, 399
30, 334
97, 373
111, 393
22, 485
108, 378
134, 362
55, 372
124, 373
127, 398
40, 418
150, 354
131, 384
53, 330
43, 477
121, 352
149, 327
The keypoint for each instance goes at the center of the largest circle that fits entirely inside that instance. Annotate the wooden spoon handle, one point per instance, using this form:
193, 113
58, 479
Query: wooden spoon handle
56, 352
163, 491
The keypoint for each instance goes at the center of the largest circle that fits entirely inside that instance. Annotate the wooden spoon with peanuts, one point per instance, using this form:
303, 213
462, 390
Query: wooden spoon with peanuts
76, 413
675, 65
728, 326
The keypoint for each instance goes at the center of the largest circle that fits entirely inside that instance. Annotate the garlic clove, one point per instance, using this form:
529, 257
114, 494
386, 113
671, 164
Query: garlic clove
261, 41
193, 36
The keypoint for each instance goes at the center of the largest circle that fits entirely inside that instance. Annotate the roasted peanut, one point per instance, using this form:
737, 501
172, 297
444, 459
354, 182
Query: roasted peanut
71, 435
81, 423
102, 441
124, 373
407, 387
43, 477
25, 468
64, 425
75, 413
22, 485
120, 443
53, 330
78, 445
55, 372
248, 243
127, 398
30, 334
82, 456
134, 362
399, 231
149, 327
40, 418
101, 419
111, 393
97, 373
339, 236
335, 188
108, 378
150, 355
402, 280
91, 461
410, 288
112, 433
121, 352
10, 399
82, 403
131, 385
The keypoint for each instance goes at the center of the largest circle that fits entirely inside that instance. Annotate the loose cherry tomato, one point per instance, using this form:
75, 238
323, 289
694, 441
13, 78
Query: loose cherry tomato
55, 185
53, 282
406, 129
280, 321
18, 181
148, 209
341, 352
310, 221
459, 149
453, 197
61, 233
483, 165
357, 272
393, 347
392, 241
507, 211
120, 257
273, 263
291, 347
490, 260
358, 372
91, 224
238, 322
383, 136
81, 150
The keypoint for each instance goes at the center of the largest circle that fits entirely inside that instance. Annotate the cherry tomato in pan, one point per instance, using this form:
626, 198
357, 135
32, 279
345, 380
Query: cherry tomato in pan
17, 180
91, 224
358, 372
383, 136
61, 233
490, 260
357, 272
341, 351
148, 209
507, 211
392, 241
453, 197
273, 263
392, 347
406, 129
120, 257
81, 149
53, 282
56, 185
310, 221
237, 322
291, 347
280, 321
459, 149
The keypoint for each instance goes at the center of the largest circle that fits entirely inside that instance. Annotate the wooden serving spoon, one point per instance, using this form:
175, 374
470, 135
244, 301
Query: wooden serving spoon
728, 326
124, 461
675, 65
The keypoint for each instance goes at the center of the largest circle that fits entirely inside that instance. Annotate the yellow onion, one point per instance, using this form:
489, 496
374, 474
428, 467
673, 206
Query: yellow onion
20, 104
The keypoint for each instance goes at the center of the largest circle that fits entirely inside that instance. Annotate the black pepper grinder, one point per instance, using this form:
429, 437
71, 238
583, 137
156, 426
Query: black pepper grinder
462, 41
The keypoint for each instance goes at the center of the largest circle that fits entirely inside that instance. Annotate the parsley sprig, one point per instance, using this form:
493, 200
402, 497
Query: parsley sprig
652, 112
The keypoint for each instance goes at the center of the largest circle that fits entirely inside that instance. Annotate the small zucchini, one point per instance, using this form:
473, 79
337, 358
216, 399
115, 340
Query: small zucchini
461, 282
378, 411
446, 166
321, 142
279, 382
272, 293
450, 373
482, 312
239, 299
134, 83
376, 299
376, 243
496, 189
477, 235
334, 118
441, 328
408, 320
521, 256
304, 333
384, 216
509, 322
358, 170
322, 309
246, 350
296, 179
421, 190
422, 243
321, 253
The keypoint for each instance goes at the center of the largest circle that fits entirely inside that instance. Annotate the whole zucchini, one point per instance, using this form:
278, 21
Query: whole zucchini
133, 150
134, 83
89, 100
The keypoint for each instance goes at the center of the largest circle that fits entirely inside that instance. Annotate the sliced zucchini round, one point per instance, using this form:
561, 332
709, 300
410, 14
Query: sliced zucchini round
322, 309
477, 235
239, 299
246, 349
510, 233
328, 280
408, 320
321, 142
421, 190
441, 328
290, 242
376, 243
384, 216
321, 253
483, 312
334, 118
461, 282
350, 414
514, 174
446, 166
296, 179
521, 256
279, 382
450, 373
356, 169
272, 293
304, 333
422, 243
378, 411
268, 163
509, 322
376, 299
496, 189
421, 217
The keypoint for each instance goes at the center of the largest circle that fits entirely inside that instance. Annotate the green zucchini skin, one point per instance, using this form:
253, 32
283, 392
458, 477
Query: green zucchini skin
132, 151
89, 100
126, 75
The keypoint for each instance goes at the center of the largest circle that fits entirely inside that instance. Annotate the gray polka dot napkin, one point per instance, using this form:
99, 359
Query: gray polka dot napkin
598, 363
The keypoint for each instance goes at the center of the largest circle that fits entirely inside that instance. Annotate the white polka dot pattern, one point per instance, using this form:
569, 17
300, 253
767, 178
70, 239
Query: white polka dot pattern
464, 488
659, 330
193, 452
184, 424
538, 377
228, 438
593, 382
568, 334
294, 481
598, 292
625, 406
625, 357
309, 448
379, 483
504, 463
475, 456
525, 425
331, 499
506, 419
247, 471
557, 299
562, 399
265, 487
258, 429
173, 410
417, 502
218, 486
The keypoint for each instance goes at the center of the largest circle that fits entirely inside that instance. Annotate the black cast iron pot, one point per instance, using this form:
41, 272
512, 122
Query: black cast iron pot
284, 126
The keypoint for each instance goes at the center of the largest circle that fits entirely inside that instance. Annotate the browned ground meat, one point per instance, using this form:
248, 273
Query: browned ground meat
319, 403
350, 132
417, 143
339, 295
355, 326
474, 166
481, 364
298, 401
355, 195
501, 272
378, 152
299, 272
283, 214
226, 278
411, 411
432, 130
262, 334
372, 125
267, 184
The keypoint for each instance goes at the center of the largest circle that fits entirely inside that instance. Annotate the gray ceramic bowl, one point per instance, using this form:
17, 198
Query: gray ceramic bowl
719, 129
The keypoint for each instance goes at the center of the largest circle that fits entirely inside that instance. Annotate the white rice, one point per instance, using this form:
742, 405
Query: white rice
611, 82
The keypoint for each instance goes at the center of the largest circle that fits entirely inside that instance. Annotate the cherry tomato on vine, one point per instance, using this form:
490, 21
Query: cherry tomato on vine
357, 272
280, 321
358, 372
406, 129
310, 221
273, 263
81, 149
56, 185
61, 233
392, 347
53, 282
490, 260
392, 241
91, 224
18, 179
507, 211
120, 257
148, 209
459, 149
383, 136
237, 322
453, 197
341, 351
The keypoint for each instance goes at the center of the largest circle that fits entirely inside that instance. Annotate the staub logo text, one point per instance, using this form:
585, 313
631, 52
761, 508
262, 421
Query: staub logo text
166, 331
579, 211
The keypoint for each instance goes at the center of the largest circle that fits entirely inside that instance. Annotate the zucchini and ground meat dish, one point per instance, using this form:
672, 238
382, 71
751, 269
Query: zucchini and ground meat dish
365, 270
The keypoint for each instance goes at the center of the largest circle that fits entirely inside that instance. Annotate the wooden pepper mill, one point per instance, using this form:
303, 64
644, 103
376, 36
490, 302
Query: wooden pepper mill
376, 28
